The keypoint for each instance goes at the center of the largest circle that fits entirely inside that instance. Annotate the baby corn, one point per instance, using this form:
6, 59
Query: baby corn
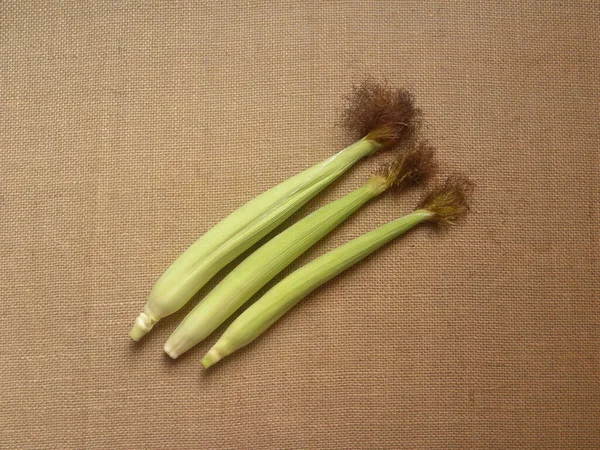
442, 205
411, 167
388, 119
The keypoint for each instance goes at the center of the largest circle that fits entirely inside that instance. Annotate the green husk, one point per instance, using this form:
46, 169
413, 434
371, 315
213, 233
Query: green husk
411, 167
388, 119
442, 205
238, 232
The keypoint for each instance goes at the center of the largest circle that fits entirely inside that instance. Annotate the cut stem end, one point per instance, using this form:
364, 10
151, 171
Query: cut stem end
212, 357
171, 351
142, 325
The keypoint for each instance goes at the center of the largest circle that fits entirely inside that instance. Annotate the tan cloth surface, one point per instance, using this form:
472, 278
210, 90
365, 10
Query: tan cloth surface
129, 128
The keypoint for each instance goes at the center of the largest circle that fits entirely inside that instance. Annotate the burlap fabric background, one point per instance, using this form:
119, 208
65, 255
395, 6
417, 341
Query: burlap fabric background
129, 128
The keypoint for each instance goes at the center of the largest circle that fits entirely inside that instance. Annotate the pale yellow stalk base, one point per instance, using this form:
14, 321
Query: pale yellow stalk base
170, 350
213, 356
142, 325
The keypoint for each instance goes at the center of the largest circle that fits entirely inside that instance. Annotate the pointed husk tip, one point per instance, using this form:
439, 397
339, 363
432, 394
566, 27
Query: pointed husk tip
449, 200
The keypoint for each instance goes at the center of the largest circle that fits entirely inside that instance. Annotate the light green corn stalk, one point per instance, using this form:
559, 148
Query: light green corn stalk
261, 266
442, 205
382, 115
238, 232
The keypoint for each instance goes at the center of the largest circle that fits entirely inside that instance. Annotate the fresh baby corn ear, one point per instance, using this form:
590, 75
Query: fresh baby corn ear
409, 168
392, 122
442, 205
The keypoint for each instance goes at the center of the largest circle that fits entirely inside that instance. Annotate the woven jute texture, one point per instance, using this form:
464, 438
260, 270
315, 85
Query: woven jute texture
127, 129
